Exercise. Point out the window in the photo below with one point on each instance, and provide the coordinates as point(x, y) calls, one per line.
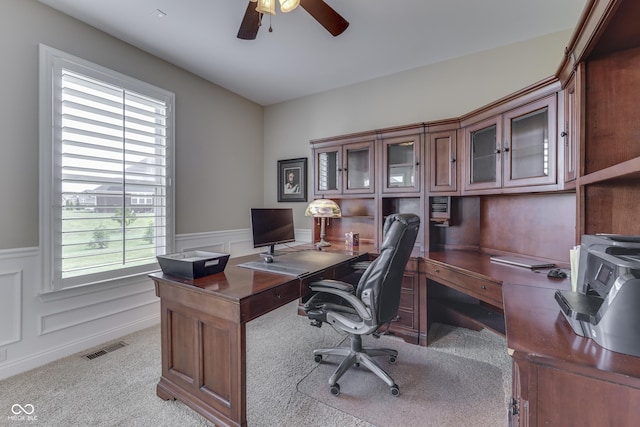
point(106, 167)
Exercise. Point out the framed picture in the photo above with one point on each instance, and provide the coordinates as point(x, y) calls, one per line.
point(292, 180)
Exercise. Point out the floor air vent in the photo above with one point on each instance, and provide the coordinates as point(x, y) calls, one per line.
point(105, 350)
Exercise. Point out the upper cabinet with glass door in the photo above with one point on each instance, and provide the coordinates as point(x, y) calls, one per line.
point(344, 169)
point(515, 149)
point(401, 164)
point(529, 146)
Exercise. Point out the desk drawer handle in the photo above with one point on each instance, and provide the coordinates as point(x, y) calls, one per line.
point(278, 296)
point(483, 287)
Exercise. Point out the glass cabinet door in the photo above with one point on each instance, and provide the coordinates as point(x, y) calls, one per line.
point(483, 155)
point(327, 170)
point(358, 168)
point(401, 164)
point(529, 145)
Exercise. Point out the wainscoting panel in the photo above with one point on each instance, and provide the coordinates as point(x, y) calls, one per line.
point(36, 329)
point(68, 318)
point(10, 307)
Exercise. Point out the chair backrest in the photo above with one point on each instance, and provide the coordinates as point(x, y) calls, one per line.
point(384, 275)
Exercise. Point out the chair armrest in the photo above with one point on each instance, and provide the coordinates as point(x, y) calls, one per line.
point(335, 284)
point(336, 287)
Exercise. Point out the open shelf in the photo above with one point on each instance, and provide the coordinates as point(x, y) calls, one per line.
point(473, 316)
point(629, 169)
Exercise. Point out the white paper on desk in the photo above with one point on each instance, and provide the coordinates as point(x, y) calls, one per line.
point(574, 258)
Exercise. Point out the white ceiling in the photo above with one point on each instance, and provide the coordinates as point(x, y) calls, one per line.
point(300, 57)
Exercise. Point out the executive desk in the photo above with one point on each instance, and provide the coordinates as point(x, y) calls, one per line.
point(203, 333)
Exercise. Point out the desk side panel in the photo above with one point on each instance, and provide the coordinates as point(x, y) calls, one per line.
point(203, 363)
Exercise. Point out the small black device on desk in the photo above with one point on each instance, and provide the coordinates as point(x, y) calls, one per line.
point(606, 305)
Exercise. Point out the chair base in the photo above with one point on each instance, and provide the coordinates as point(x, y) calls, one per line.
point(357, 354)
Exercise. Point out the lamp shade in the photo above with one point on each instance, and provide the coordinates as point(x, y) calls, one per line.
point(288, 5)
point(266, 6)
point(323, 208)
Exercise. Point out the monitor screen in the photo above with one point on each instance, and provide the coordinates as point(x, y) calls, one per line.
point(271, 227)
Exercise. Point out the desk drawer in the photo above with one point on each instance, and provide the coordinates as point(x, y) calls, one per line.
point(270, 299)
point(483, 289)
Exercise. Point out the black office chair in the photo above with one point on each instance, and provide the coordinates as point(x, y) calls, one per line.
point(371, 305)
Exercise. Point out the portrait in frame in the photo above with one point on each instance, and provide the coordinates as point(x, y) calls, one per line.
point(292, 180)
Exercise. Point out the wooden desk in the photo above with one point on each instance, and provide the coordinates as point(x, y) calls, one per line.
point(560, 378)
point(477, 281)
point(203, 330)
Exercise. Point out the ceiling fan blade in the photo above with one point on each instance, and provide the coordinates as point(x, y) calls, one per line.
point(250, 23)
point(325, 15)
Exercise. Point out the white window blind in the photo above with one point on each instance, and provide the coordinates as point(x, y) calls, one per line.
point(110, 172)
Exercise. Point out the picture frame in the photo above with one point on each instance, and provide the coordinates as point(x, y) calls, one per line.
point(292, 180)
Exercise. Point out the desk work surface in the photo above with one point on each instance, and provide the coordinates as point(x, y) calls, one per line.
point(236, 283)
point(297, 263)
point(480, 265)
point(536, 326)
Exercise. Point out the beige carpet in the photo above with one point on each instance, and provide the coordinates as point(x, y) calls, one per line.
point(436, 388)
point(119, 388)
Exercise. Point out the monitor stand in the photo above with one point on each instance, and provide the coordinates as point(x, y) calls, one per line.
point(272, 252)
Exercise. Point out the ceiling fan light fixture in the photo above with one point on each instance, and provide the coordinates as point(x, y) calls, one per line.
point(266, 6)
point(288, 5)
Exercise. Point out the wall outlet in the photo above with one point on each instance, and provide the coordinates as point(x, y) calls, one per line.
point(3, 354)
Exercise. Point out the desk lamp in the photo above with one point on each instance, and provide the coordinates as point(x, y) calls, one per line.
point(323, 209)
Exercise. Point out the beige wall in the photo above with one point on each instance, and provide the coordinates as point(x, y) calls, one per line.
point(215, 128)
point(212, 126)
point(445, 90)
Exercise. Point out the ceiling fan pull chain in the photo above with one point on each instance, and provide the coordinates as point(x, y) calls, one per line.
point(270, 29)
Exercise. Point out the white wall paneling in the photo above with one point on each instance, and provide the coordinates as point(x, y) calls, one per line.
point(38, 329)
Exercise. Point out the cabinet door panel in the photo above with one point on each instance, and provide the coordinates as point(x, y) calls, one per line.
point(327, 165)
point(358, 168)
point(571, 128)
point(443, 175)
point(529, 148)
point(401, 164)
point(482, 154)
point(563, 399)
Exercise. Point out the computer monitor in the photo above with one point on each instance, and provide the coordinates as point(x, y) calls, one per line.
point(271, 227)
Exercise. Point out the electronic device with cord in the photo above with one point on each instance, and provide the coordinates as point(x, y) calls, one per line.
point(605, 307)
point(272, 227)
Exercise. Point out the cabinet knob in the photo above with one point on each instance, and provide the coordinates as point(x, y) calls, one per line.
point(436, 270)
point(497, 151)
point(453, 160)
point(563, 134)
point(483, 287)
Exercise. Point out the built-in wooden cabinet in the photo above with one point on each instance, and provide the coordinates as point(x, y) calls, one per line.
point(570, 135)
point(609, 186)
point(514, 149)
point(560, 378)
point(407, 322)
point(345, 168)
point(483, 155)
point(529, 144)
point(443, 161)
point(401, 169)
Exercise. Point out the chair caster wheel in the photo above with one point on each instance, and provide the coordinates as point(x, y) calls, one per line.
point(335, 389)
point(395, 391)
point(317, 358)
point(392, 360)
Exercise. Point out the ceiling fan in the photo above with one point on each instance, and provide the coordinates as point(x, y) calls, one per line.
point(318, 9)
